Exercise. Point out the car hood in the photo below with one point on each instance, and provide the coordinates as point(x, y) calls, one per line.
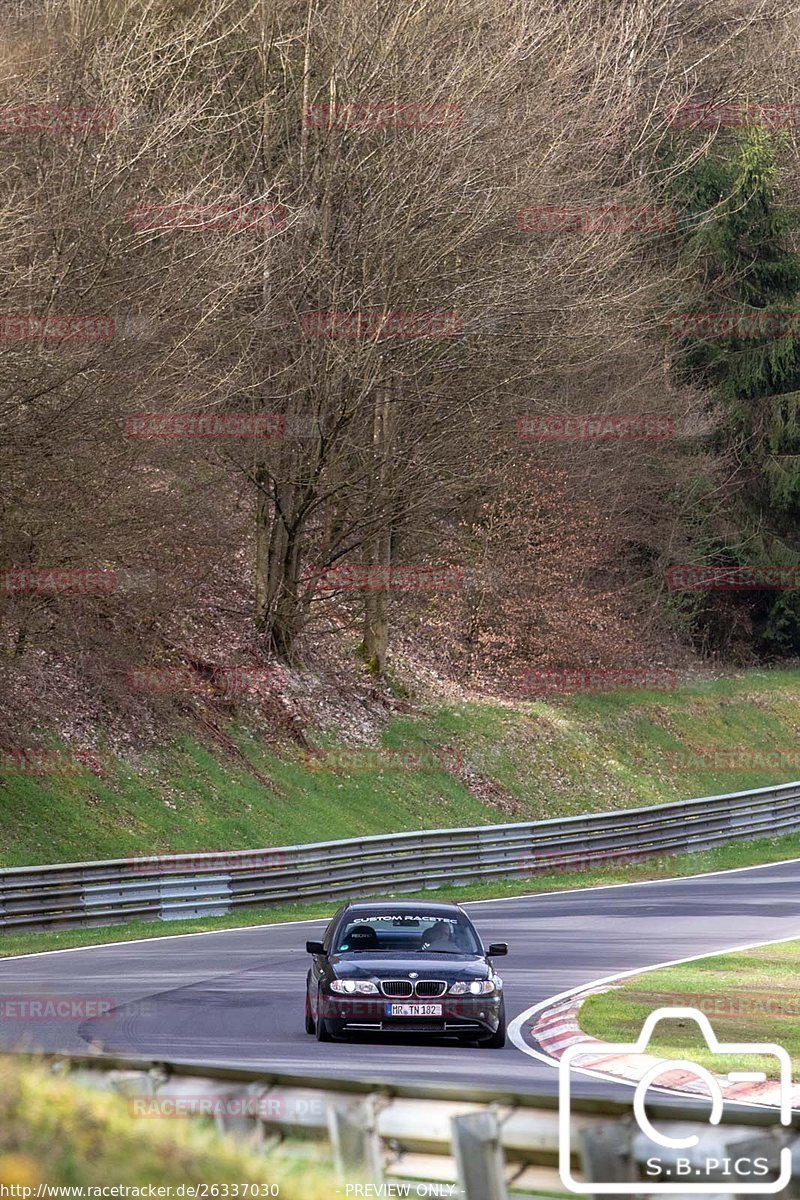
point(387, 964)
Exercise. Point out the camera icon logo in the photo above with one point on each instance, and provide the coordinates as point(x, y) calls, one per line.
point(670, 1145)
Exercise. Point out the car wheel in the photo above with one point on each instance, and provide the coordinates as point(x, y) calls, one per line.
point(498, 1038)
point(321, 1025)
point(309, 1016)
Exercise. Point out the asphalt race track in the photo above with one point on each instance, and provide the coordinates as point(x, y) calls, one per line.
point(237, 996)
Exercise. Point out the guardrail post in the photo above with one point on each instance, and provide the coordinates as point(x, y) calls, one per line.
point(355, 1143)
point(607, 1155)
point(479, 1155)
point(793, 1186)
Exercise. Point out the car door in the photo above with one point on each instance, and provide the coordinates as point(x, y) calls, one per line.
point(318, 962)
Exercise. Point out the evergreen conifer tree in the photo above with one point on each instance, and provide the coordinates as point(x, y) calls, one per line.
point(737, 233)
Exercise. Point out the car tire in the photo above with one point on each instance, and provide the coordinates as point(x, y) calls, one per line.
point(321, 1025)
point(498, 1038)
point(309, 1017)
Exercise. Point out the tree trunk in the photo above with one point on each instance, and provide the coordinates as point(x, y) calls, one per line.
point(377, 548)
point(263, 526)
point(277, 564)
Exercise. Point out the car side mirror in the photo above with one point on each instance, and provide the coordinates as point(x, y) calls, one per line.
point(497, 948)
point(315, 948)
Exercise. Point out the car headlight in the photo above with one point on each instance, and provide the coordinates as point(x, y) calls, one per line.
point(361, 987)
point(478, 987)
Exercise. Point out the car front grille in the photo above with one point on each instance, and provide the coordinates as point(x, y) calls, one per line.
point(403, 988)
point(397, 987)
point(430, 987)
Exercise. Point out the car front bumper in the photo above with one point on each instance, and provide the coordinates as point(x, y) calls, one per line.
point(459, 1015)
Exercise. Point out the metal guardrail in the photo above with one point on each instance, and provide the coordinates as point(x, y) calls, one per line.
point(483, 1140)
point(214, 884)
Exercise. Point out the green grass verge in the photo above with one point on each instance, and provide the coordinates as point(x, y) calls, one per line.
point(586, 753)
point(54, 1131)
point(748, 997)
point(737, 854)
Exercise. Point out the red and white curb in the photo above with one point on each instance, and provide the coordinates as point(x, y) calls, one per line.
point(557, 1027)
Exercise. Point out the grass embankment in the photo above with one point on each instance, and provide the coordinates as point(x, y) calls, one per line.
point(585, 753)
point(751, 996)
point(54, 1132)
point(738, 854)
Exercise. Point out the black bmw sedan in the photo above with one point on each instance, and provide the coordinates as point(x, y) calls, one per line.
point(405, 967)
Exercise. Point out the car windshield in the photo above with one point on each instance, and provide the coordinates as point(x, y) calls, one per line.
point(409, 933)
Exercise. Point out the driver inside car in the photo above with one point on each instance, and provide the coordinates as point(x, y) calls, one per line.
point(438, 938)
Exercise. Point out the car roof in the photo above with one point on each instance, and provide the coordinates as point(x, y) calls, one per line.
point(437, 908)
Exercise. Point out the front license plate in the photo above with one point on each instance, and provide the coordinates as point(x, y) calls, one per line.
point(413, 1010)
